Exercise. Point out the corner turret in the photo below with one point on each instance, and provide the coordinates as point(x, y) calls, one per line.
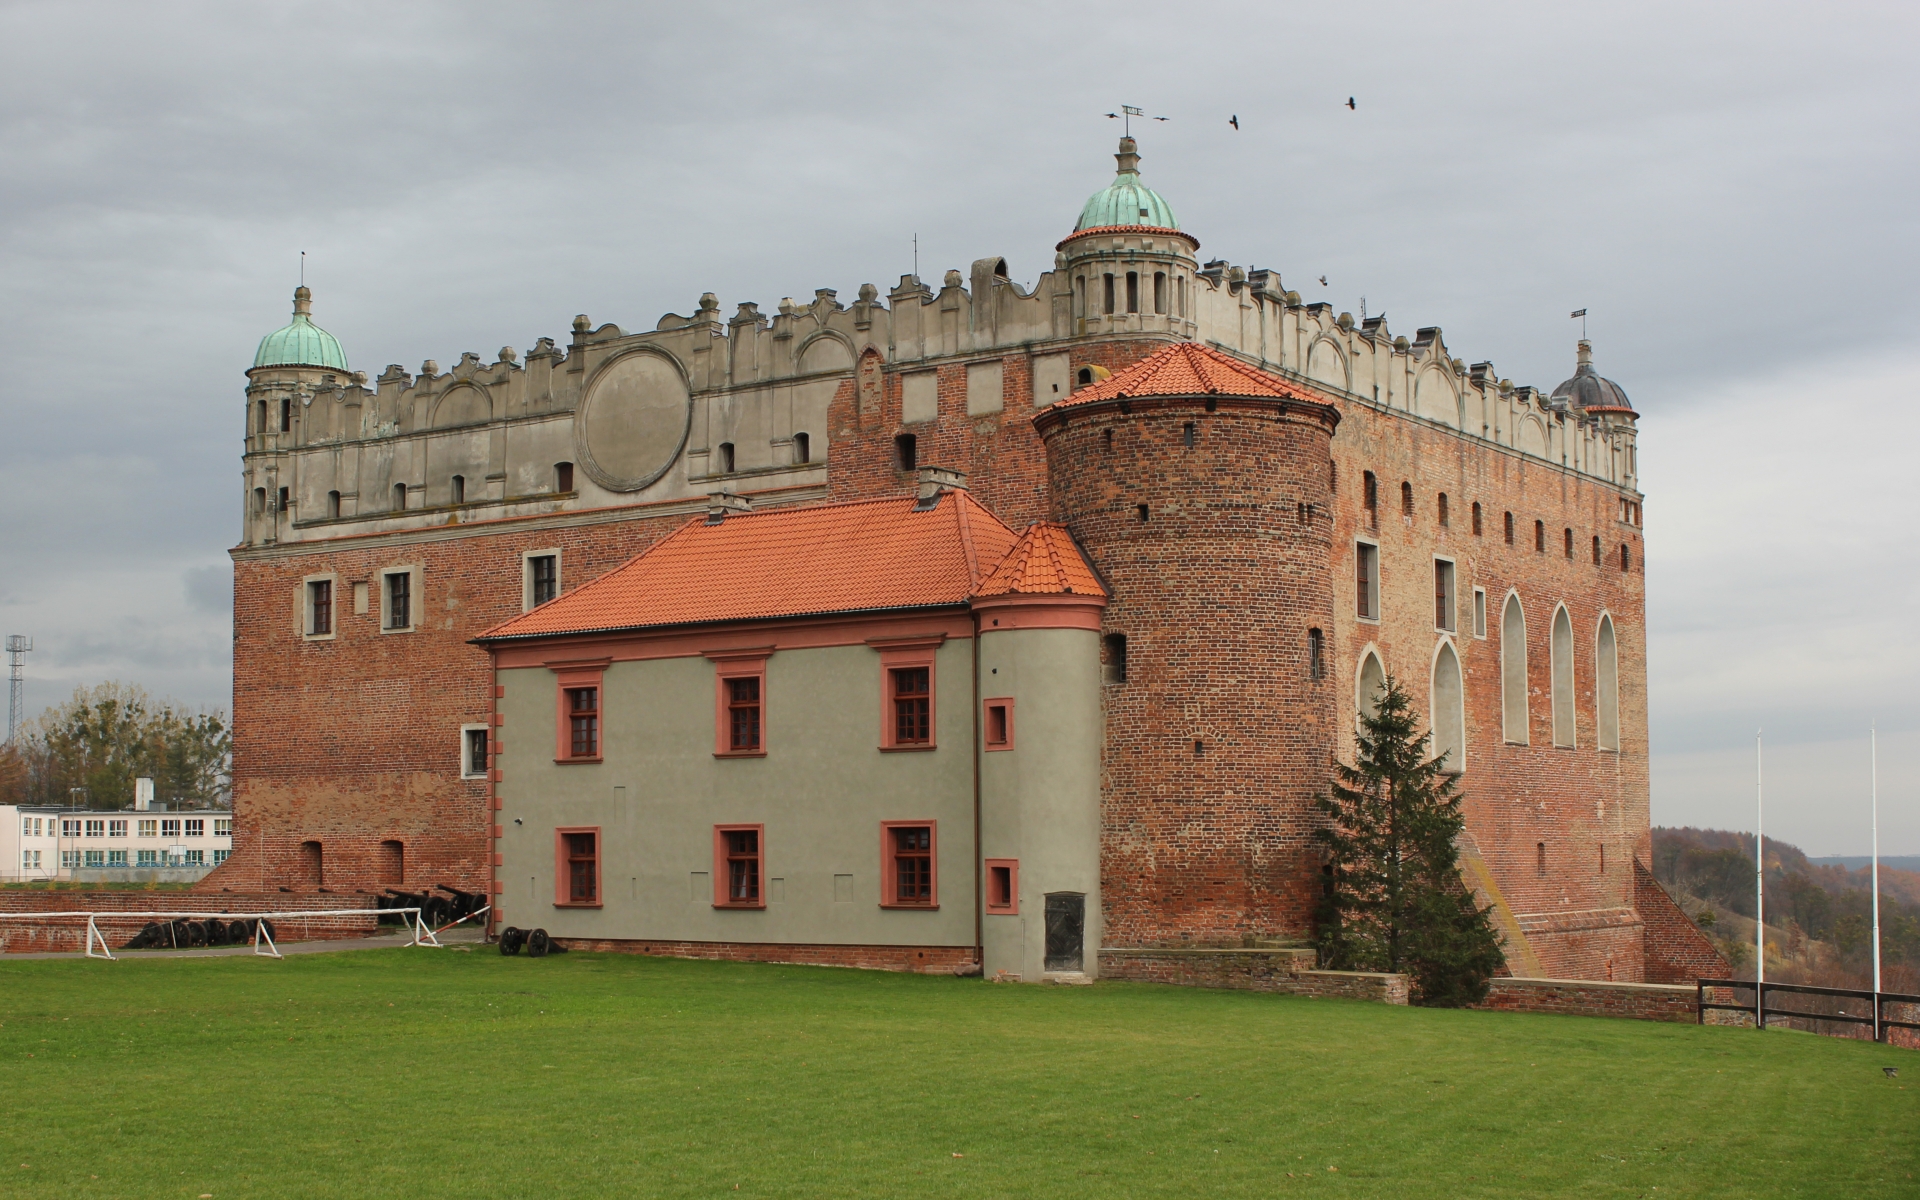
point(1130, 264)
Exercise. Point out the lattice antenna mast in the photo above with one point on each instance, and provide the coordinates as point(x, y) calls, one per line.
point(16, 681)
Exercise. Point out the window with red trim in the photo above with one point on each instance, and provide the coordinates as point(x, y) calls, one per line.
point(912, 689)
point(576, 875)
point(737, 854)
point(999, 722)
point(743, 713)
point(1003, 886)
point(583, 722)
point(908, 847)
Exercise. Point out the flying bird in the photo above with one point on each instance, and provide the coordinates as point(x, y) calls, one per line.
point(1234, 120)
point(1350, 103)
point(1323, 281)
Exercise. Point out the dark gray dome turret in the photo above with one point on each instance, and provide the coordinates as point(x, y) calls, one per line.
point(1588, 389)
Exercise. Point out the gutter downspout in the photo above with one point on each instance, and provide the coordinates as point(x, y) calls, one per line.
point(979, 855)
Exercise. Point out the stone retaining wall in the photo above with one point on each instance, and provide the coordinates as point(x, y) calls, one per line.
point(18, 937)
point(1288, 971)
point(1594, 998)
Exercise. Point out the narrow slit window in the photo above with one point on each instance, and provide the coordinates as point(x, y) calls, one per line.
point(1366, 581)
point(1569, 543)
point(1476, 518)
point(320, 608)
point(999, 721)
point(286, 416)
point(725, 458)
point(1113, 654)
point(1443, 606)
point(563, 477)
point(1539, 537)
point(1509, 519)
point(1316, 655)
point(1370, 498)
point(1540, 857)
point(1108, 309)
point(1479, 612)
point(1133, 291)
point(285, 500)
point(1406, 499)
point(1596, 550)
point(906, 452)
point(1626, 558)
point(802, 448)
point(1441, 511)
point(459, 489)
point(1160, 293)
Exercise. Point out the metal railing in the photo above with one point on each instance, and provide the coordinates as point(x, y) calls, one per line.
point(1876, 1004)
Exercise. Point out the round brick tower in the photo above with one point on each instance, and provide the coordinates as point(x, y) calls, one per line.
point(1199, 486)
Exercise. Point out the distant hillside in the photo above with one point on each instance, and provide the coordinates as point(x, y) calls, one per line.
point(1710, 872)
point(1901, 862)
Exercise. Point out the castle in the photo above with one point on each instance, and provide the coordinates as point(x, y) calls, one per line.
point(1214, 516)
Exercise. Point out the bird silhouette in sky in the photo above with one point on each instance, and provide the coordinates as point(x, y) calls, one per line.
point(1350, 103)
point(1323, 281)
point(1234, 120)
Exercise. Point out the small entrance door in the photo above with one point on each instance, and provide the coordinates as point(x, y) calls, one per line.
point(1066, 930)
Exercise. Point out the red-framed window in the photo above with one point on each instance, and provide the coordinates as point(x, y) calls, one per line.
point(997, 721)
point(909, 714)
point(909, 864)
point(576, 866)
point(1003, 886)
point(580, 724)
point(739, 861)
point(740, 699)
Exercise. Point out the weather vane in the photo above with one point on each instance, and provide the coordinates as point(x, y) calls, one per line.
point(1126, 115)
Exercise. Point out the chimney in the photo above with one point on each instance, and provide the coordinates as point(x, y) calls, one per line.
point(719, 504)
point(933, 481)
point(142, 795)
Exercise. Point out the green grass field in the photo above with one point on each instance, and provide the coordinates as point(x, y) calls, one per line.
point(458, 1073)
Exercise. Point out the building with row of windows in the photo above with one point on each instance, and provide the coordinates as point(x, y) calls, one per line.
point(48, 843)
point(683, 638)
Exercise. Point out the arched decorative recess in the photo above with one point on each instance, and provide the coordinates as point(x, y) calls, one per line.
point(1327, 364)
point(1449, 719)
point(1562, 660)
point(1606, 685)
point(825, 351)
point(1513, 671)
point(1368, 683)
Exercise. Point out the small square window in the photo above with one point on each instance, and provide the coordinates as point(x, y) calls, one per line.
point(147, 858)
point(149, 828)
point(577, 867)
point(223, 827)
point(999, 724)
point(738, 856)
point(220, 856)
point(908, 868)
point(116, 829)
point(1003, 886)
point(170, 827)
point(196, 827)
point(116, 858)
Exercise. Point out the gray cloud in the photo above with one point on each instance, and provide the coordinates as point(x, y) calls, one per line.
point(1729, 197)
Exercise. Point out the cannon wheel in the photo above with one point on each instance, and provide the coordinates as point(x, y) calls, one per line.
point(510, 939)
point(538, 943)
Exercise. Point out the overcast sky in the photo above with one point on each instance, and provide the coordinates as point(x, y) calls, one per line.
point(1729, 189)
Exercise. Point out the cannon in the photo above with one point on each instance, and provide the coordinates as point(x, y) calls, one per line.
point(511, 940)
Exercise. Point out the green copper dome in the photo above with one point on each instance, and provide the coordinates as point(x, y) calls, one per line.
point(301, 344)
point(1127, 201)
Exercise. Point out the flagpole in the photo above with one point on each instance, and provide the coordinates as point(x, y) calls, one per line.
point(1759, 886)
point(1873, 754)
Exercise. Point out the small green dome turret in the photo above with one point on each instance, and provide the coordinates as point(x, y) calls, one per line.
point(1127, 201)
point(302, 343)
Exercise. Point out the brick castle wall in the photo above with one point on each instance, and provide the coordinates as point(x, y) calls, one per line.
point(69, 935)
point(1218, 739)
point(1676, 950)
point(926, 960)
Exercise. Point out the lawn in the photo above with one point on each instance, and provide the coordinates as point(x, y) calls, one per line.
point(458, 1073)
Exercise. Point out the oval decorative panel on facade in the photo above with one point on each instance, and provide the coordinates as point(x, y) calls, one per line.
point(634, 421)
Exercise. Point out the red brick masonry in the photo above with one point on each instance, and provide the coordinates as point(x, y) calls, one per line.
point(1591, 998)
point(1677, 952)
point(1286, 971)
point(929, 960)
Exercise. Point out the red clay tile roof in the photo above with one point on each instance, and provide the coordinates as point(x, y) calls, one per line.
point(1043, 562)
point(1096, 230)
point(860, 557)
point(1189, 369)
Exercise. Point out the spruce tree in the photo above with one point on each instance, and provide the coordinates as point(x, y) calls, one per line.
point(1396, 900)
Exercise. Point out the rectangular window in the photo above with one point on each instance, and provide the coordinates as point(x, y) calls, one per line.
point(96, 858)
point(999, 723)
point(1370, 498)
point(147, 858)
point(1540, 857)
point(576, 867)
point(1133, 291)
point(1480, 612)
point(1443, 607)
point(1109, 296)
point(196, 858)
point(912, 705)
point(743, 714)
point(196, 827)
point(1539, 537)
point(69, 827)
point(1442, 511)
point(116, 829)
point(908, 848)
point(116, 858)
point(738, 857)
point(96, 828)
point(69, 858)
point(170, 827)
point(319, 608)
point(29, 860)
point(1569, 541)
point(543, 578)
point(1316, 654)
point(220, 856)
point(1003, 886)
point(223, 827)
point(1366, 580)
point(149, 828)
point(1476, 518)
point(1509, 518)
point(473, 751)
point(583, 722)
point(1113, 660)
point(399, 587)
